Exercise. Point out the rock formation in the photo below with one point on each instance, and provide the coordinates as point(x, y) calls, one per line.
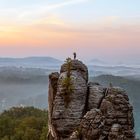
point(88, 111)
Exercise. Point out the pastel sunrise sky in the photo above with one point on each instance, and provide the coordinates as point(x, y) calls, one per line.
point(104, 29)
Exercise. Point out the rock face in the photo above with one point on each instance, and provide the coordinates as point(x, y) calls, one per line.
point(89, 111)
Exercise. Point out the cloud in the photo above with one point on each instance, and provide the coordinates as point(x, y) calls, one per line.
point(29, 14)
point(43, 10)
point(66, 3)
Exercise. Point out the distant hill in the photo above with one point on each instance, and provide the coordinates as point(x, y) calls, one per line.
point(25, 86)
point(23, 75)
point(131, 85)
point(97, 62)
point(95, 70)
point(29, 61)
point(134, 77)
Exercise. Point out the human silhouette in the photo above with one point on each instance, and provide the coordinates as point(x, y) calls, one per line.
point(74, 54)
point(111, 85)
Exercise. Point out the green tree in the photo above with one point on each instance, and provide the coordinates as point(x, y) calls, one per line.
point(23, 124)
point(6, 127)
point(44, 133)
point(67, 83)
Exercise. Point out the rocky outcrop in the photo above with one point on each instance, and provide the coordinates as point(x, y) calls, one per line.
point(89, 111)
point(53, 79)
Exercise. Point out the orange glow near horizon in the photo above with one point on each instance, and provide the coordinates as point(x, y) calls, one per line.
point(52, 30)
point(42, 35)
point(46, 37)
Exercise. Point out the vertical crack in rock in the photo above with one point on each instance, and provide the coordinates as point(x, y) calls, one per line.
point(93, 112)
point(104, 94)
point(96, 95)
point(86, 101)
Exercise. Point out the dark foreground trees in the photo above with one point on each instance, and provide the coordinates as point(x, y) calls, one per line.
point(26, 123)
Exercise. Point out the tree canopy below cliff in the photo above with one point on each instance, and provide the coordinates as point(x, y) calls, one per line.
point(23, 124)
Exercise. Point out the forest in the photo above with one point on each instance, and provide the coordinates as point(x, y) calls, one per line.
point(19, 123)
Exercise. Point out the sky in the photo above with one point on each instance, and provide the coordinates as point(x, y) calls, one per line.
point(104, 29)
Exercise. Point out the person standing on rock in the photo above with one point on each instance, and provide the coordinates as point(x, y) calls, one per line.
point(74, 54)
point(111, 85)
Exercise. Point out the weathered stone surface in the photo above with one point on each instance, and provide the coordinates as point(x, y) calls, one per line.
point(67, 119)
point(116, 133)
point(91, 125)
point(118, 112)
point(53, 79)
point(96, 94)
point(76, 66)
point(93, 112)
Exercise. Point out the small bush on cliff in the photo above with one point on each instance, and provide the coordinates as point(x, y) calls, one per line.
point(79, 133)
point(67, 83)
